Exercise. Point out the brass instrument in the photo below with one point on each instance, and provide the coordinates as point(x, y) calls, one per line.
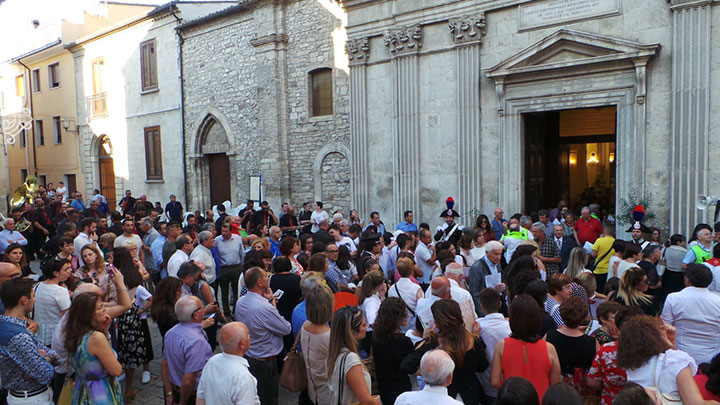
point(22, 225)
point(23, 194)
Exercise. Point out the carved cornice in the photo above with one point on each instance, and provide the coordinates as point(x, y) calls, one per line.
point(269, 39)
point(467, 29)
point(403, 41)
point(358, 50)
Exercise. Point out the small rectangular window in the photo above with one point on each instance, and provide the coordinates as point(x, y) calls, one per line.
point(153, 153)
point(23, 138)
point(43, 179)
point(148, 65)
point(54, 75)
point(23, 174)
point(57, 130)
point(322, 94)
point(19, 86)
point(39, 132)
point(70, 182)
point(36, 80)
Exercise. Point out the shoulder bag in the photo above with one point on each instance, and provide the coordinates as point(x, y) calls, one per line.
point(672, 398)
point(293, 376)
point(595, 263)
point(400, 296)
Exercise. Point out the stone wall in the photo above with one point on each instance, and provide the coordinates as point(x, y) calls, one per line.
point(250, 69)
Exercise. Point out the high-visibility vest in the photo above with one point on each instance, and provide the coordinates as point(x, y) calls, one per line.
point(522, 234)
point(701, 255)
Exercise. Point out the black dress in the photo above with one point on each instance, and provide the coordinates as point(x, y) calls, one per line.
point(649, 308)
point(464, 380)
point(388, 355)
point(573, 352)
point(290, 284)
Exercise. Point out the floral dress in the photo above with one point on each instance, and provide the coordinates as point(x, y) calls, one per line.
point(93, 385)
point(604, 367)
point(131, 340)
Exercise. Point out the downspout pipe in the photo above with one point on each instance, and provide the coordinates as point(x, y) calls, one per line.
point(181, 40)
point(32, 114)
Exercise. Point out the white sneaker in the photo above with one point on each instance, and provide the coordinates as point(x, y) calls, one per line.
point(145, 377)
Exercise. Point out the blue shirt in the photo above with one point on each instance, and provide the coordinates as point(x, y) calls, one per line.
point(218, 262)
point(186, 351)
point(22, 367)
point(275, 248)
point(156, 249)
point(6, 236)
point(334, 275)
point(265, 324)
point(380, 228)
point(405, 227)
point(299, 316)
point(498, 228)
point(78, 205)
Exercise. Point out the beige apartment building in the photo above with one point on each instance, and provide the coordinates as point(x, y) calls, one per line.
point(45, 82)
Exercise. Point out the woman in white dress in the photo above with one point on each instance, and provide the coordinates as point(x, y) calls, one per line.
point(318, 216)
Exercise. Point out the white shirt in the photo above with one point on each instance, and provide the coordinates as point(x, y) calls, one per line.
point(667, 366)
point(715, 284)
point(347, 242)
point(226, 379)
point(467, 305)
point(120, 242)
point(50, 302)
point(428, 395)
point(422, 309)
point(80, 241)
point(695, 313)
point(408, 293)
point(203, 255)
point(316, 218)
point(175, 261)
point(422, 255)
point(370, 307)
point(142, 296)
point(494, 329)
point(62, 191)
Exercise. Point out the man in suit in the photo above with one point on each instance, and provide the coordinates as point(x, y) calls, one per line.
point(487, 269)
point(565, 245)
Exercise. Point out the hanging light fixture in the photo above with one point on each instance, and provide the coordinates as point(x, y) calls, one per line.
point(593, 158)
point(611, 158)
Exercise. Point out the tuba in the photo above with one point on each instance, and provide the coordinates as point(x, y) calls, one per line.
point(21, 195)
point(22, 225)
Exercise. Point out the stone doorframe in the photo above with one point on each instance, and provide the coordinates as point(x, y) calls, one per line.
point(90, 167)
point(199, 170)
point(334, 147)
point(566, 70)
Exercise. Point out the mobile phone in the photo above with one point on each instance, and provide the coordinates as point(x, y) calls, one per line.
point(278, 294)
point(212, 315)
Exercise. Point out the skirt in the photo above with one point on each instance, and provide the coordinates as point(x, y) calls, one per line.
point(149, 354)
point(131, 341)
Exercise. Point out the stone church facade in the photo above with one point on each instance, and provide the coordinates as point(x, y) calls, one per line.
point(248, 75)
point(439, 89)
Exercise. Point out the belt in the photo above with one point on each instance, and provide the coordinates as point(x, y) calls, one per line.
point(262, 358)
point(28, 394)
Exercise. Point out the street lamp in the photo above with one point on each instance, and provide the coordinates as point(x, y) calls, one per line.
point(66, 122)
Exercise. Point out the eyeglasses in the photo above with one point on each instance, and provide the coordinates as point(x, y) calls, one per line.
point(193, 312)
point(333, 251)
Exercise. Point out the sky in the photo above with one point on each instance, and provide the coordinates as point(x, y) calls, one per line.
point(17, 16)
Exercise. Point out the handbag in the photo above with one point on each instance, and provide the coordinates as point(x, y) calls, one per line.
point(293, 376)
point(66, 393)
point(672, 398)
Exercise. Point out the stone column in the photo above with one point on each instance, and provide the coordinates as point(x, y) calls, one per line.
point(358, 51)
point(690, 115)
point(467, 32)
point(403, 45)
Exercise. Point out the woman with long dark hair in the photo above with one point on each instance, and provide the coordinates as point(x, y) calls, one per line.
point(90, 354)
point(482, 224)
point(15, 255)
point(96, 269)
point(633, 291)
point(52, 298)
point(389, 348)
point(132, 350)
point(371, 294)
point(466, 350)
point(167, 292)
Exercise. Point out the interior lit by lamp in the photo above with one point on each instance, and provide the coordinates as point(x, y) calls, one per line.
point(593, 158)
point(573, 158)
point(611, 158)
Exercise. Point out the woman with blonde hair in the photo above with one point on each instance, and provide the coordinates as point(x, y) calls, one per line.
point(406, 290)
point(349, 381)
point(632, 291)
point(577, 262)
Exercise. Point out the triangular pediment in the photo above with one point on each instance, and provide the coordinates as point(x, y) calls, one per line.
point(567, 48)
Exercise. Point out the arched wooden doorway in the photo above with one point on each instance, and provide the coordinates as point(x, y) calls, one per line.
point(214, 146)
point(107, 171)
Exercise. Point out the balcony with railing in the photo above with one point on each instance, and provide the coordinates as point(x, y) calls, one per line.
point(98, 105)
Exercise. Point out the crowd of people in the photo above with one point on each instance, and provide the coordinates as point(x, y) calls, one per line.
point(545, 308)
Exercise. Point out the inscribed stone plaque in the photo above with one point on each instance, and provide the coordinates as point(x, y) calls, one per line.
point(551, 12)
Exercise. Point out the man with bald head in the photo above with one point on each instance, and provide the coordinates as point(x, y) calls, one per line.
point(258, 310)
point(436, 367)
point(226, 378)
point(275, 234)
point(439, 290)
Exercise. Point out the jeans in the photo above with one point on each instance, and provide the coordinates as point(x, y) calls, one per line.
point(266, 373)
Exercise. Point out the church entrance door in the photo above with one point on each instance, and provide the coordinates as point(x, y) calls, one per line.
point(570, 155)
point(219, 167)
